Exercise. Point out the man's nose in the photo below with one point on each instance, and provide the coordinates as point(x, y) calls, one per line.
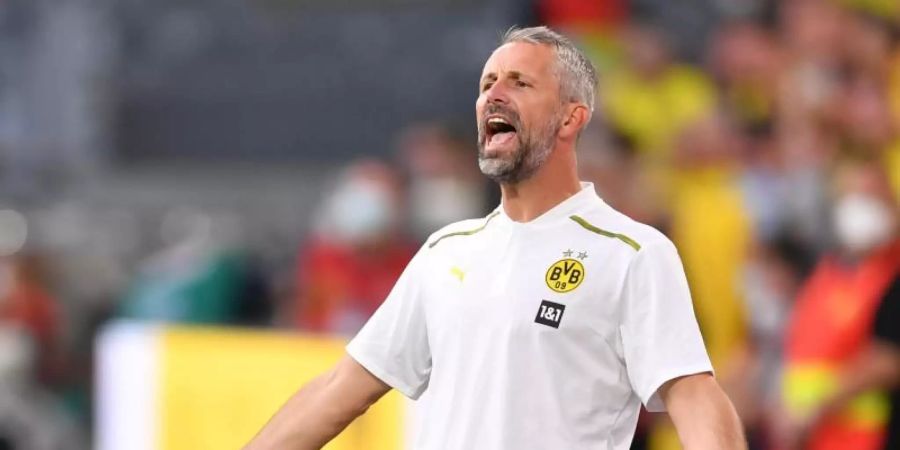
point(496, 94)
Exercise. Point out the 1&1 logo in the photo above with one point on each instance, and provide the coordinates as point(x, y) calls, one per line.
point(565, 275)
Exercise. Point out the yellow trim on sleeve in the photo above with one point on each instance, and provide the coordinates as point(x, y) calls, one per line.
point(467, 232)
point(588, 226)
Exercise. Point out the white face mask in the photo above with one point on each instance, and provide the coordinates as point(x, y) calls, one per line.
point(359, 212)
point(861, 223)
point(436, 202)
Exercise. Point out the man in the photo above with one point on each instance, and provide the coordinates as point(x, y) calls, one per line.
point(545, 324)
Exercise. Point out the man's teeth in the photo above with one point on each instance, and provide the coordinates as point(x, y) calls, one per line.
point(497, 120)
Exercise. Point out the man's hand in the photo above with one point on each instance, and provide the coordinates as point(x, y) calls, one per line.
point(322, 409)
point(703, 416)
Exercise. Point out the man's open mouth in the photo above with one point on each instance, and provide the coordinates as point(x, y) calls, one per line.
point(498, 131)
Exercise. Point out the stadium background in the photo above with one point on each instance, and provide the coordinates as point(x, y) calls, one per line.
point(199, 200)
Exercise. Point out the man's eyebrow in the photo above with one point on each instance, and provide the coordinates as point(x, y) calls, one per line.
point(513, 74)
point(516, 75)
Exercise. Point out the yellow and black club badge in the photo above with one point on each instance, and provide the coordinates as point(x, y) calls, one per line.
point(565, 275)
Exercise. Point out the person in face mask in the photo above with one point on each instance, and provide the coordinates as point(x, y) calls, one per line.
point(444, 185)
point(835, 372)
point(863, 222)
point(356, 252)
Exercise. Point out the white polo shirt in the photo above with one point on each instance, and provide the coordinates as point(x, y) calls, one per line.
point(545, 335)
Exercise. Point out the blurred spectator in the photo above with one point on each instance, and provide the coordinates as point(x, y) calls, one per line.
point(809, 89)
point(866, 42)
point(195, 278)
point(747, 62)
point(652, 98)
point(445, 184)
point(735, 160)
point(887, 9)
point(892, 153)
point(30, 418)
point(356, 253)
point(882, 360)
point(582, 15)
point(765, 185)
point(609, 161)
point(832, 321)
point(862, 111)
point(26, 305)
point(811, 36)
point(770, 279)
point(892, 81)
point(706, 208)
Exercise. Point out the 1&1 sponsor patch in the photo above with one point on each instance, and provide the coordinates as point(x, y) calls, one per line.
point(550, 314)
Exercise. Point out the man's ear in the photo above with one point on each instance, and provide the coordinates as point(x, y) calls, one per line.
point(574, 120)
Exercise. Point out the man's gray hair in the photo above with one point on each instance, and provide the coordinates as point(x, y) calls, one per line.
point(577, 76)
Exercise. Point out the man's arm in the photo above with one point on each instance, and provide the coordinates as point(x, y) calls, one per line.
point(321, 409)
point(703, 415)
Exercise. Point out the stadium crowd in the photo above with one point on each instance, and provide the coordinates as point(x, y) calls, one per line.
point(770, 156)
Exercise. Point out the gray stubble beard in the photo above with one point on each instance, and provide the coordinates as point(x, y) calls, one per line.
point(531, 154)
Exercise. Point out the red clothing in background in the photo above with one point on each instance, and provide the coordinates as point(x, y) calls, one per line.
point(831, 323)
point(29, 307)
point(342, 286)
point(569, 14)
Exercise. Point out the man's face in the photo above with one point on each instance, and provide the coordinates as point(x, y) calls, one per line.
point(518, 111)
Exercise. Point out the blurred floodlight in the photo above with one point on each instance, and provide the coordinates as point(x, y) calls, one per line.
point(13, 231)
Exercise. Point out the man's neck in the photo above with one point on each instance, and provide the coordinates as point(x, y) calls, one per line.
point(549, 186)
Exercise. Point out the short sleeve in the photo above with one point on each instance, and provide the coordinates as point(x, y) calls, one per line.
point(393, 344)
point(660, 336)
point(887, 319)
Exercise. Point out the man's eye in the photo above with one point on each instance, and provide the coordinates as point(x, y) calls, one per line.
point(520, 83)
point(486, 86)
